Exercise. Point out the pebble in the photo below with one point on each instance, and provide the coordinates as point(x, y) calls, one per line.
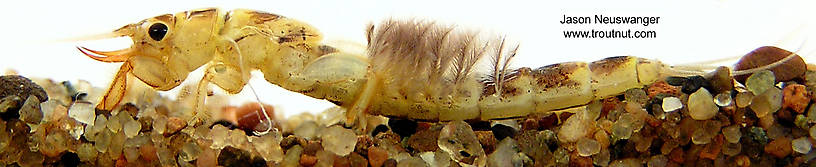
point(723, 99)
point(693, 84)
point(671, 104)
point(30, 111)
point(743, 99)
point(760, 81)
point(657, 161)
point(501, 131)
point(701, 105)
point(661, 87)
point(779, 148)
point(574, 128)
point(376, 156)
point(721, 80)
point(636, 95)
point(131, 127)
point(424, 140)
point(412, 162)
point(812, 132)
point(793, 68)
point(82, 112)
point(622, 128)
point(504, 153)
point(308, 160)
point(402, 127)
point(307, 129)
point(732, 133)
point(174, 124)
point(731, 149)
point(268, 146)
point(587, 147)
point(338, 140)
point(767, 103)
point(795, 97)
point(459, 141)
point(801, 145)
point(21, 87)
point(487, 140)
point(292, 157)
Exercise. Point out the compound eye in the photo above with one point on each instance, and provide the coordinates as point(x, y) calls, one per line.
point(157, 31)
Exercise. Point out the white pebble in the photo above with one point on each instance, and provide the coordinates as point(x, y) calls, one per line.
point(671, 104)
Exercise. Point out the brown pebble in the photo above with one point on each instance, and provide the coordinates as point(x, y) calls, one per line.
point(488, 141)
point(529, 124)
point(21, 87)
point(793, 68)
point(795, 97)
point(393, 163)
point(148, 152)
point(377, 156)
point(341, 162)
point(580, 161)
point(357, 160)
point(424, 140)
point(661, 87)
point(290, 141)
point(721, 80)
point(779, 148)
point(249, 116)
point(742, 161)
point(676, 155)
point(174, 124)
point(363, 143)
point(711, 150)
point(312, 147)
point(307, 160)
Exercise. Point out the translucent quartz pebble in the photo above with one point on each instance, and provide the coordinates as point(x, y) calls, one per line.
point(622, 128)
point(218, 134)
point(731, 149)
point(131, 127)
point(587, 147)
point(801, 145)
point(812, 132)
point(30, 111)
point(701, 105)
point(189, 151)
point(114, 123)
point(671, 104)
point(575, 127)
point(412, 162)
point(732, 133)
point(82, 112)
point(811, 114)
point(767, 103)
point(338, 140)
point(700, 137)
point(658, 161)
point(743, 99)
point(636, 95)
point(292, 157)
point(458, 139)
point(760, 81)
point(723, 99)
point(268, 146)
point(86, 152)
point(306, 129)
point(103, 140)
point(503, 155)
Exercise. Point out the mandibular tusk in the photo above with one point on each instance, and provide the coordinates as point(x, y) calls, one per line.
point(106, 56)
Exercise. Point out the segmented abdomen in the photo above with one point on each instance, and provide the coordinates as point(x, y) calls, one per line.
point(527, 91)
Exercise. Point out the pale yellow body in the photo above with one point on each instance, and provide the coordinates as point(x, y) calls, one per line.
point(230, 44)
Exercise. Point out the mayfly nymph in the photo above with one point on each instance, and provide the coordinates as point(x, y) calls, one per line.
point(410, 68)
